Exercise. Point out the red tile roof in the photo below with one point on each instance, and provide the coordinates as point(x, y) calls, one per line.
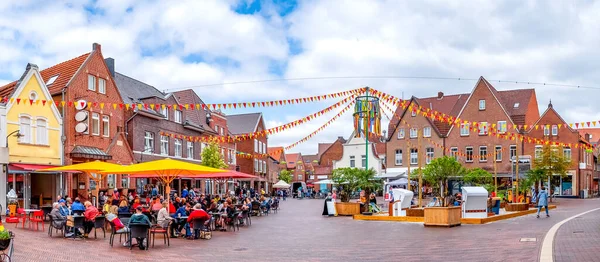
point(291, 159)
point(188, 96)
point(323, 147)
point(65, 71)
point(594, 132)
point(323, 170)
point(275, 152)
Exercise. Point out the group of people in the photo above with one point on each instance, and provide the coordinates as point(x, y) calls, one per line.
point(64, 208)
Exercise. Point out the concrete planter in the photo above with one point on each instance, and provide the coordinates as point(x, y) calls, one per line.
point(442, 216)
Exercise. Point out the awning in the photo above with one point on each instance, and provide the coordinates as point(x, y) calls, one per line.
point(26, 168)
point(89, 152)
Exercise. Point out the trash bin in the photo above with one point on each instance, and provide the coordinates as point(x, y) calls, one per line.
point(496, 205)
point(581, 194)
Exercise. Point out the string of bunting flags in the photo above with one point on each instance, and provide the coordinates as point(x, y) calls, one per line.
point(427, 112)
point(269, 131)
point(215, 106)
point(494, 131)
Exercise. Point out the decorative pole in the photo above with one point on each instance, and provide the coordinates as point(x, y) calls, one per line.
point(367, 136)
point(367, 119)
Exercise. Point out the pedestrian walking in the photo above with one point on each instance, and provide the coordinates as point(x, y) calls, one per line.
point(542, 199)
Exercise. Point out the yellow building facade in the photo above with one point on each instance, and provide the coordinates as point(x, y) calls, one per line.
point(33, 131)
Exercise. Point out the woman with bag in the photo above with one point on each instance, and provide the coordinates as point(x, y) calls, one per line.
point(542, 198)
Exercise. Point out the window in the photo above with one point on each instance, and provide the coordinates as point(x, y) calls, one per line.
point(255, 146)
point(538, 152)
point(124, 181)
point(454, 152)
point(428, 155)
point(41, 132)
point(401, 133)
point(101, 86)
point(164, 145)
point(106, 126)
point(91, 83)
point(264, 163)
point(413, 133)
point(352, 161)
point(299, 177)
point(498, 153)
point(33, 95)
point(178, 116)
point(398, 157)
point(255, 165)
point(51, 80)
point(149, 142)
point(111, 180)
point(483, 154)
point(364, 161)
point(501, 127)
point(567, 153)
point(516, 105)
point(554, 130)
point(427, 132)
point(469, 153)
point(513, 151)
point(481, 104)
point(483, 128)
point(546, 130)
point(464, 129)
point(259, 166)
point(190, 149)
point(95, 124)
point(222, 131)
point(178, 148)
point(264, 148)
point(165, 112)
point(414, 156)
point(413, 113)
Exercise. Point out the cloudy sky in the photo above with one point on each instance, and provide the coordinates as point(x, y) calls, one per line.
point(179, 44)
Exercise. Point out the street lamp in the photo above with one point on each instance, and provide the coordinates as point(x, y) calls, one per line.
point(17, 135)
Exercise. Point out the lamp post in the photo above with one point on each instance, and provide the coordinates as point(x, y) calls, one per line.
point(4, 179)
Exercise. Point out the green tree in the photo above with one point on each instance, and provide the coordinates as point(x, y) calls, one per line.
point(353, 179)
point(479, 177)
point(439, 171)
point(211, 157)
point(286, 176)
point(552, 161)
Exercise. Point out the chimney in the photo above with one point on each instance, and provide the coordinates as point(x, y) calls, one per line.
point(440, 95)
point(31, 66)
point(110, 63)
point(96, 47)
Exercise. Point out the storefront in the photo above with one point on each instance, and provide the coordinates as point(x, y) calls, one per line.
point(34, 189)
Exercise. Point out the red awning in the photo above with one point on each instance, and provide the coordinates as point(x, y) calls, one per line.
point(28, 167)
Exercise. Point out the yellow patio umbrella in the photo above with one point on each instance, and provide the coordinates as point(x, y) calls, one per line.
point(87, 168)
point(166, 170)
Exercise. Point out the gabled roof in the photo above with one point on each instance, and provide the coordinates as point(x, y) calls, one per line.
point(310, 158)
point(292, 158)
point(133, 90)
point(64, 72)
point(322, 147)
point(188, 96)
point(551, 108)
point(275, 152)
point(243, 123)
point(594, 132)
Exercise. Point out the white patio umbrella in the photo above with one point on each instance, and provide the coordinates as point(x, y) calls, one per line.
point(328, 182)
point(281, 184)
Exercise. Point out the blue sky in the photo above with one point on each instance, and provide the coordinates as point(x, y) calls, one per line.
point(173, 45)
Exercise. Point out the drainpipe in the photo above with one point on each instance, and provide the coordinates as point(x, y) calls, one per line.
point(63, 139)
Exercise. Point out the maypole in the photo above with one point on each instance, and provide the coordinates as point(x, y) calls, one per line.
point(367, 119)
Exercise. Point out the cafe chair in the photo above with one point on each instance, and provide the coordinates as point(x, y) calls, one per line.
point(161, 231)
point(138, 231)
point(78, 212)
point(53, 223)
point(99, 223)
point(113, 233)
point(77, 224)
point(21, 217)
point(197, 226)
point(38, 217)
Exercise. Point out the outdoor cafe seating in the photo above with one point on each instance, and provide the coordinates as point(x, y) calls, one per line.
point(161, 231)
point(138, 231)
point(99, 224)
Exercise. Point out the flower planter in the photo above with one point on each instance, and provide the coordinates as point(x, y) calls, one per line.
point(513, 207)
point(347, 208)
point(442, 216)
point(415, 212)
point(5, 243)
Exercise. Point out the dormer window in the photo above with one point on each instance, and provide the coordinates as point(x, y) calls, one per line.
point(481, 104)
point(51, 80)
point(516, 105)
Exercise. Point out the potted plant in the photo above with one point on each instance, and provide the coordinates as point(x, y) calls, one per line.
point(437, 174)
point(5, 237)
point(352, 180)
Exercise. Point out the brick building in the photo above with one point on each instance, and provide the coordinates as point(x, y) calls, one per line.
point(256, 165)
point(277, 162)
point(85, 84)
point(295, 164)
point(156, 132)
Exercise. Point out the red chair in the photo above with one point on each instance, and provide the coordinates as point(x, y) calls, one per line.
point(21, 217)
point(38, 217)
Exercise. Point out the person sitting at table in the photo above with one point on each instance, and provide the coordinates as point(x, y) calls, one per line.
point(77, 206)
point(156, 205)
point(172, 208)
point(123, 208)
point(136, 203)
point(265, 206)
point(226, 217)
point(63, 209)
point(163, 218)
point(197, 213)
point(91, 212)
point(58, 220)
point(139, 218)
point(69, 202)
point(179, 223)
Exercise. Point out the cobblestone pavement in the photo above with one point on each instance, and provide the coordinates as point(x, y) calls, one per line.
point(299, 233)
point(577, 240)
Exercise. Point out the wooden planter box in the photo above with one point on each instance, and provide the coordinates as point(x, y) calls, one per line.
point(513, 207)
point(502, 204)
point(415, 212)
point(347, 208)
point(442, 216)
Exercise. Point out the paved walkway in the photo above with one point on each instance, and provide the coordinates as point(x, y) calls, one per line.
point(577, 239)
point(299, 233)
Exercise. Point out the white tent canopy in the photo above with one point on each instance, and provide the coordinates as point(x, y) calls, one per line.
point(401, 182)
point(328, 182)
point(281, 184)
